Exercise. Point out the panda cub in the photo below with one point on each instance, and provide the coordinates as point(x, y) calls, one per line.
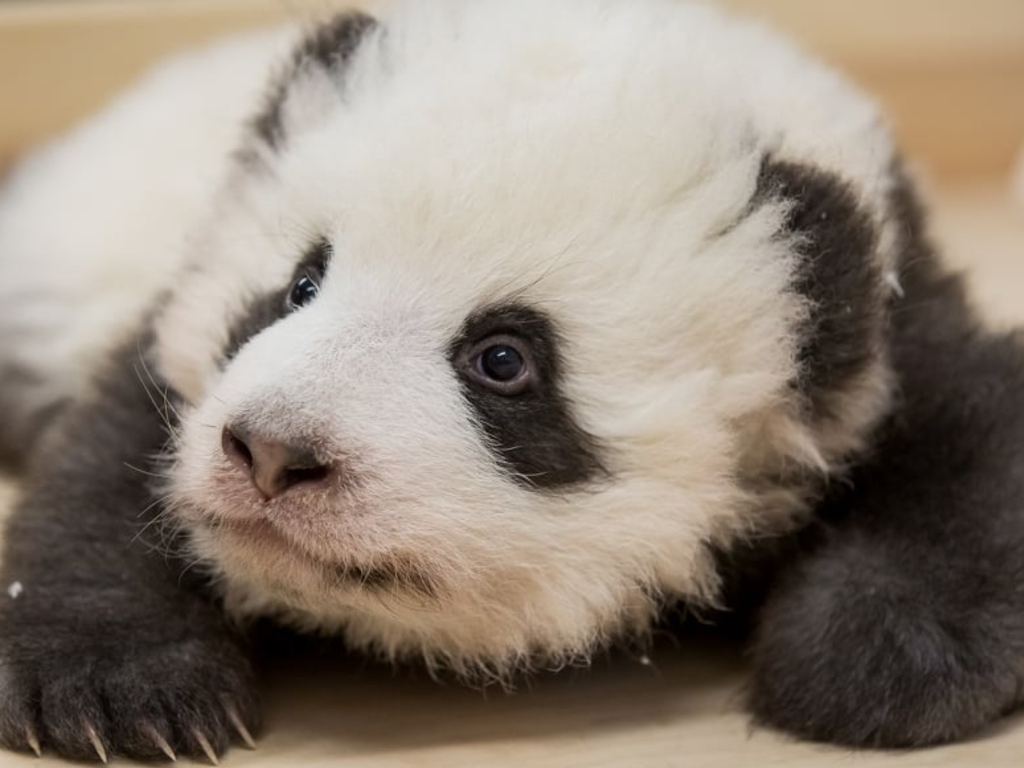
point(482, 333)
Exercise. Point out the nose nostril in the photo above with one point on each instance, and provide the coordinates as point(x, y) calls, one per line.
point(236, 450)
point(272, 466)
point(295, 475)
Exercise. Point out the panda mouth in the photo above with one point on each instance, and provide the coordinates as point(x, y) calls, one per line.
point(390, 575)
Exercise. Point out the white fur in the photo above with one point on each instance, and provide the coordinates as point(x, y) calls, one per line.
point(592, 158)
point(92, 227)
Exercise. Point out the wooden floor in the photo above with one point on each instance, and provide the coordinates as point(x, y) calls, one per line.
point(683, 708)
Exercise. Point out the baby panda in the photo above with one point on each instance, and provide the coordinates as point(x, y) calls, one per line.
point(482, 334)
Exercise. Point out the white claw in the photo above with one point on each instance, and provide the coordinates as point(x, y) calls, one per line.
point(101, 751)
point(204, 744)
point(33, 740)
point(893, 281)
point(161, 743)
point(236, 721)
point(166, 748)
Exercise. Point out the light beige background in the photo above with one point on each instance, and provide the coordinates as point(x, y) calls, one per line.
point(952, 72)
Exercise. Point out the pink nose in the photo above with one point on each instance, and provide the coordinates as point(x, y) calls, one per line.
point(274, 467)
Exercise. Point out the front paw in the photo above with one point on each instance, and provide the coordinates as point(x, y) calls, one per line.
point(187, 697)
point(861, 648)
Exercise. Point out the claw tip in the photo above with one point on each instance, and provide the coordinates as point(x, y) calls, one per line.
point(236, 721)
point(97, 744)
point(33, 741)
point(161, 743)
point(205, 745)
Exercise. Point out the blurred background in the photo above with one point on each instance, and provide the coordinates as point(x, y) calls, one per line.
point(949, 72)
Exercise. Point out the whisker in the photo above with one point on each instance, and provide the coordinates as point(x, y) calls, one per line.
point(149, 394)
point(158, 475)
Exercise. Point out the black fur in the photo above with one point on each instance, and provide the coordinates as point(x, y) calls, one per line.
point(533, 434)
point(266, 309)
point(843, 334)
point(839, 276)
point(902, 622)
point(111, 630)
point(21, 429)
point(329, 46)
point(261, 312)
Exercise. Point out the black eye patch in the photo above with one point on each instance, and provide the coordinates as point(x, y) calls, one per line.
point(266, 309)
point(531, 430)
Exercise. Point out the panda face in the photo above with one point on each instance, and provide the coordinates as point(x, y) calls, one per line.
point(501, 326)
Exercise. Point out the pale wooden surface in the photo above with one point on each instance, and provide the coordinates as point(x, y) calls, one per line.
point(950, 73)
point(684, 710)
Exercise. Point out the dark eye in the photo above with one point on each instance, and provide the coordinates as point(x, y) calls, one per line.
point(502, 364)
point(303, 291)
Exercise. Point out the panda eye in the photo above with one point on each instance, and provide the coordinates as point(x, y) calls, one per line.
point(303, 290)
point(308, 275)
point(503, 364)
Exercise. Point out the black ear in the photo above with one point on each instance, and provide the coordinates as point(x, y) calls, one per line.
point(840, 275)
point(321, 57)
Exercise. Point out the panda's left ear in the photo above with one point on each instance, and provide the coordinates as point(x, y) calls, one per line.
point(313, 80)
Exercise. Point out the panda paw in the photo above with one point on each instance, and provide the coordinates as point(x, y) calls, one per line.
point(852, 650)
point(186, 698)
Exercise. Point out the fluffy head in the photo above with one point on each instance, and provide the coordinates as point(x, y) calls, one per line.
point(678, 219)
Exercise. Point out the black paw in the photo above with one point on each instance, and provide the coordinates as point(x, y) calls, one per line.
point(186, 698)
point(857, 648)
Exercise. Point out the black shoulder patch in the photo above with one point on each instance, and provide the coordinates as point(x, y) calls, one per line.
point(329, 46)
point(533, 435)
point(839, 276)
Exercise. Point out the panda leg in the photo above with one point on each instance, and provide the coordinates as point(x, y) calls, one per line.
point(867, 643)
point(903, 623)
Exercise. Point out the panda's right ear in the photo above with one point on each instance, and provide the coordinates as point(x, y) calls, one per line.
point(313, 80)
